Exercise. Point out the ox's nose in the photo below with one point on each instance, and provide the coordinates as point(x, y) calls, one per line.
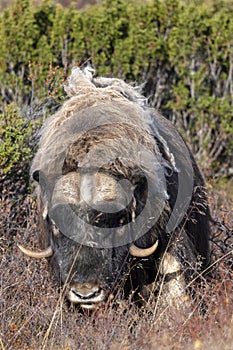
point(85, 294)
point(86, 290)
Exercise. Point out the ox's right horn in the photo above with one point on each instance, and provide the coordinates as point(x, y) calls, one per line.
point(38, 255)
point(143, 252)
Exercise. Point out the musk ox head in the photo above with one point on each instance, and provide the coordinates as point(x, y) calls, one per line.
point(116, 184)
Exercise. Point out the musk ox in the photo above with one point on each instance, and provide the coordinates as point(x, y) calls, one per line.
point(122, 201)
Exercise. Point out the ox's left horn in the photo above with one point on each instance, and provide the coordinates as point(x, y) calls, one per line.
point(38, 255)
point(143, 252)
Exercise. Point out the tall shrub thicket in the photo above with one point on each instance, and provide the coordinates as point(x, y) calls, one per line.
point(180, 51)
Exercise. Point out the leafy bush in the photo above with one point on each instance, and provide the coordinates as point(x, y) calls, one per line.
point(201, 51)
point(14, 140)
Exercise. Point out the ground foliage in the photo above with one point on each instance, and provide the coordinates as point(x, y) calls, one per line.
point(34, 314)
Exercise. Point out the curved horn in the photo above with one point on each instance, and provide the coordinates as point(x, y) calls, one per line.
point(143, 252)
point(38, 255)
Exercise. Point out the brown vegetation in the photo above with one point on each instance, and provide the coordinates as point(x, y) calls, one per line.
point(34, 314)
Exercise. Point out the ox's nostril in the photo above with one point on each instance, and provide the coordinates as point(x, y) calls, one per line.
point(86, 294)
point(86, 291)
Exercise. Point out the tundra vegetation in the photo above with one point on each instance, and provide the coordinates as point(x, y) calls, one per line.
point(181, 52)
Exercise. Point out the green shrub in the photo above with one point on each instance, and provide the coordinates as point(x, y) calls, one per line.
point(14, 140)
point(201, 51)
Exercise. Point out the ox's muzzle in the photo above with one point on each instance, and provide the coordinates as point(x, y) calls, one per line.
point(87, 295)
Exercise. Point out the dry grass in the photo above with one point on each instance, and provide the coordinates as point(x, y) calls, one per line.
point(34, 316)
